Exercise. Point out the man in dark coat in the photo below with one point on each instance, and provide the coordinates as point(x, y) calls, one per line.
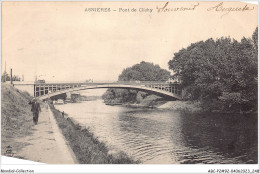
point(35, 110)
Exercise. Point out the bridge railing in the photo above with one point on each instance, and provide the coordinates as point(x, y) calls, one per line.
point(45, 88)
point(108, 82)
point(134, 82)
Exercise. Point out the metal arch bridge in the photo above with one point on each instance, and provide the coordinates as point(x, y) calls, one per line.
point(170, 91)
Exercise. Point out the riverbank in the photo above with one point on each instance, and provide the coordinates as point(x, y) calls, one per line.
point(22, 139)
point(153, 101)
point(80, 98)
point(86, 147)
point(184, 106)
point(150, 101)
point(16, 119)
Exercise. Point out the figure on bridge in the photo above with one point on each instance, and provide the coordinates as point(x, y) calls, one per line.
point(35, 110)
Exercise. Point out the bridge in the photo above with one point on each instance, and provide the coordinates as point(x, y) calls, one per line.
point(42, 91)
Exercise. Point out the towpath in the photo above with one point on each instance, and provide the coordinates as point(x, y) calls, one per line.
point(47, 144)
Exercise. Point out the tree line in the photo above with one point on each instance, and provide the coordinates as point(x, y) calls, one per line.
point(7, 77)
point(221, 74)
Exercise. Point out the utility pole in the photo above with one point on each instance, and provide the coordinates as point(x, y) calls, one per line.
point(5, 72)
point(11, 76)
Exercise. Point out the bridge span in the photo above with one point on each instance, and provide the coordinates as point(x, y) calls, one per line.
point(171, 91)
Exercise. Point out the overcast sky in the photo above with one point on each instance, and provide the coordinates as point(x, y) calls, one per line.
point(59, 41)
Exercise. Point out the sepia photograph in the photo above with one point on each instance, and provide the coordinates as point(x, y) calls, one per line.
point(118, 82)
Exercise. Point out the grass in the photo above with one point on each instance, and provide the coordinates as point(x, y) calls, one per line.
point(16, 117)
point(86, 147)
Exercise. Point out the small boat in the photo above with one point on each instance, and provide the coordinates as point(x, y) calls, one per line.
point(59, 102)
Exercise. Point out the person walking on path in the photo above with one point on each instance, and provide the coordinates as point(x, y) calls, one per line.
point(35, 110)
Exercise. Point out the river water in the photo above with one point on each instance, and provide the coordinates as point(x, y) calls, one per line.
point(166, 136)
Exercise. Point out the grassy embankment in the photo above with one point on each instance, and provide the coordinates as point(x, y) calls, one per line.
point(86, 147)
point(16, 118)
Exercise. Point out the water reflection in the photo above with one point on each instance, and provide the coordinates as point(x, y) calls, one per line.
point(147, 137)
point(166, 136)
point(230, 138)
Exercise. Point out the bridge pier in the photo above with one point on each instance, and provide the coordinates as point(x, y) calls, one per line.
point(68, 95)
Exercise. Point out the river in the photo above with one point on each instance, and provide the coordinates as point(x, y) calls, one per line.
point(166, 136)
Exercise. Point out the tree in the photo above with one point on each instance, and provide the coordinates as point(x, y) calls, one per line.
point(144, 71)
point(6, 77)
point(216, 72)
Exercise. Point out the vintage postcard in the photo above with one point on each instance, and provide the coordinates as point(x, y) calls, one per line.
point(108, 83)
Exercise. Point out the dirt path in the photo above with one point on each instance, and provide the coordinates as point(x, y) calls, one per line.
point(47, 144)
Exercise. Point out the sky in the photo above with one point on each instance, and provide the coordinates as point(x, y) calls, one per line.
point(61, 41)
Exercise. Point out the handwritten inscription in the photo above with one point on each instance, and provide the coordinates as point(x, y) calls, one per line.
point(166, 8)
point(225, 10)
